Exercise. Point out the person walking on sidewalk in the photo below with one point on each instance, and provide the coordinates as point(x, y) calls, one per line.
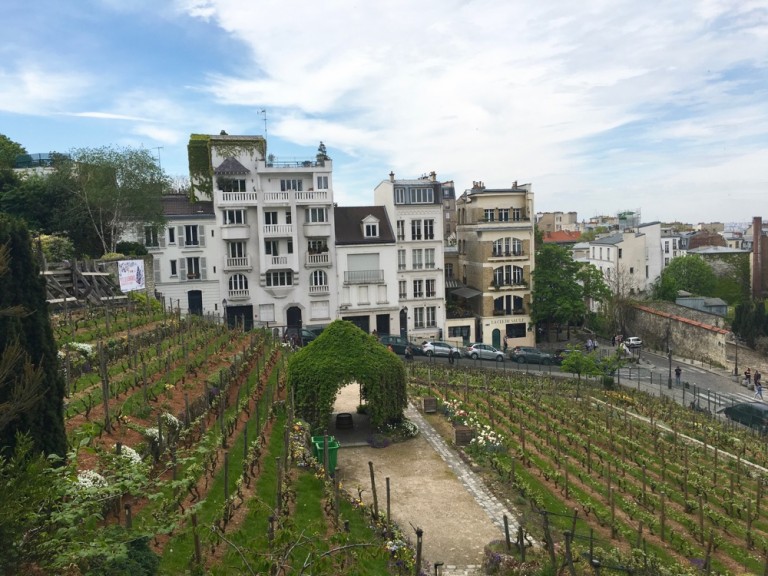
point(758, 384)
point(678, 371)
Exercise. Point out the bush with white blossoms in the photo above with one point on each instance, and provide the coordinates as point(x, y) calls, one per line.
point(487, 439)
point(130, 454)
point(90, 479)
point(171, 421)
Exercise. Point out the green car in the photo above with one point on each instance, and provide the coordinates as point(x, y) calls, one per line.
point(528, 355)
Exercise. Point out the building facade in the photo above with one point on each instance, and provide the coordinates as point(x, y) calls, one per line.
point(495, 240)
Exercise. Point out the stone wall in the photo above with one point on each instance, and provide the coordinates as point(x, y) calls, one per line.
point(688, 333)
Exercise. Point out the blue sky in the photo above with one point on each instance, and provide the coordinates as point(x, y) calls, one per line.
point(603, 106)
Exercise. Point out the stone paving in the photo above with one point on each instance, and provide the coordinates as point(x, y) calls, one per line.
point(471, 482)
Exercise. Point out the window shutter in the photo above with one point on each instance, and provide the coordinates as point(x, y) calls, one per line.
point(180, 236)
point(161, 237)
point(183, 269)
point(203, 271)
point(201, 235)
point(156, 267)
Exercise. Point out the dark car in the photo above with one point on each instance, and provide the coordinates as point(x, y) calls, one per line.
point(528, 355)
point(752, 414)
point(306, 335)
point(399, 344)
point(560, 354)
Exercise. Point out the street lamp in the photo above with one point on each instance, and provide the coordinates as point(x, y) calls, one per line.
point(224, 308)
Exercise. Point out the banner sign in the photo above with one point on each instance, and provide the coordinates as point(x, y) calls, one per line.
point(131, 273)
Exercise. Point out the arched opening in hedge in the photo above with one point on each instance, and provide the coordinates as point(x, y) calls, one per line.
point(341, 355)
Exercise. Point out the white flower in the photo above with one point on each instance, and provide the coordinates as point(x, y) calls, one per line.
point(130, 454)
point(90, 479)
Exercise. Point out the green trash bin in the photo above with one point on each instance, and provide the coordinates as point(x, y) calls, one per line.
point(317, 445)
point(333, 448)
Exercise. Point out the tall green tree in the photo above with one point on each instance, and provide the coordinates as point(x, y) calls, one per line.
point(558, 298)
point(690, 273)
point(114, 190)
point(25, 327)
point(9, 150)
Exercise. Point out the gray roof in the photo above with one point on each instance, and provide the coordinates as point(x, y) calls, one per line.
point(175, 205)
point(348, 225)
point(231, 166)
point(718, 250)
point(612, 239)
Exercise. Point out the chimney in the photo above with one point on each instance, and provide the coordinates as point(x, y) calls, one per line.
point(391, 176)
point(433, 176)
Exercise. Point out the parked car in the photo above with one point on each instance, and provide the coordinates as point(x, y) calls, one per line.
point(306, 335)
point(437, 348)
point(633, 342)
point(752, 414)
point(399, 344)
point(528, 355)
point(560, 354)
point(483, 352)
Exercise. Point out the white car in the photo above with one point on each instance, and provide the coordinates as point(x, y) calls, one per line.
point(633, 342)
point(436, 348)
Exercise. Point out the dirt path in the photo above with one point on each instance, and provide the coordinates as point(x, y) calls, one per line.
point(424, 493)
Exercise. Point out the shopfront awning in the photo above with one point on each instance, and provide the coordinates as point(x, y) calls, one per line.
point(466, 292)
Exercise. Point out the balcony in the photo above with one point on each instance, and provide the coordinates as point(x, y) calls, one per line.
point(513, 254)
point(243, 294)
point(280, 261)
point(321, 290)
point(312, 197)
point(242, 199)
point(317, 260)
point(520, 285)
point(317, 229)
point(283, 197)
point(235, 232)
point(238, 263)
point(277, 230)
point(364, 277)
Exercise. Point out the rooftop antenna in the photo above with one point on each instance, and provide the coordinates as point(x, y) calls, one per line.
point(264, 112)
point(159, 164)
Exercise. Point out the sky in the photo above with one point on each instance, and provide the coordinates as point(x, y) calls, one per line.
point(603, 106)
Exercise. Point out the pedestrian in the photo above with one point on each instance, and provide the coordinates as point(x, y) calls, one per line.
point(758, 387)
point(506, 343)
point(589, 345)
point(408, 352)
point(758, 378)
point(678, 371)
point(389, 347)
point(450, 356)
point(613, 340)
point(748, 378)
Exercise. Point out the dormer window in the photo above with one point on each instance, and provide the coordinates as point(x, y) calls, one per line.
point(372, 230)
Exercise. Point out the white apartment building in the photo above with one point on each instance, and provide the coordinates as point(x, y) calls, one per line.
point(415, 206)
point(495, 233)
point(366, 256)
point(265, 256)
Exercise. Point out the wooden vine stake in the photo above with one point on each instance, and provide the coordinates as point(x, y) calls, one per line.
point(373, 491)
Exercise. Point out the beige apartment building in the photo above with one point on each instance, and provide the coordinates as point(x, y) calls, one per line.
point(495, 262)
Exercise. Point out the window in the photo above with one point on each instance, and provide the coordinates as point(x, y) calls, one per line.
point(238, 282)
point(291, 184)
point(517, 275)
point(429, 229)
point(429, 258)
point(417, 256)
point(418, 317)
point(174, 271)
point(666, 246)
point(503, 214)
point(372, 230)
point(449, 270)
point(150, 236)
point(267, 312)
point(517, 214)
point(431, 292)
point(318, 278)
point(399, 195)
point(236, 249)
point(270, 218)
point(422, 196)
point(234, 217)
point(193, 268)
point(322, 182)
point(517, 247)
point(315, 215)
point(401, 229)
point(498, 247)
point(431, 316)
point(401, 259)
point(321, 309)
point(270, 248)
point(191, 237)
point(601, 253)
point(415, 229)
point(666, 261)
point(288, 217)
point(620, 252)
point(402, 288)
point(418, 288)
point(290, 245)
point(171, 235)
point(631, 270)
point(317, 246)
point(488, 214)
point(232, 185)
point(284, 278)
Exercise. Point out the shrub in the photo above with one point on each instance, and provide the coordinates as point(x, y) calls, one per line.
point(131, 248)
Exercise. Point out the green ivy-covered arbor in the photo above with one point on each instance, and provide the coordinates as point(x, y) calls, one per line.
point(341, 355)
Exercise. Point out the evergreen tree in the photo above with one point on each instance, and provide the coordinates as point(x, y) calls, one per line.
point(25, 326)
